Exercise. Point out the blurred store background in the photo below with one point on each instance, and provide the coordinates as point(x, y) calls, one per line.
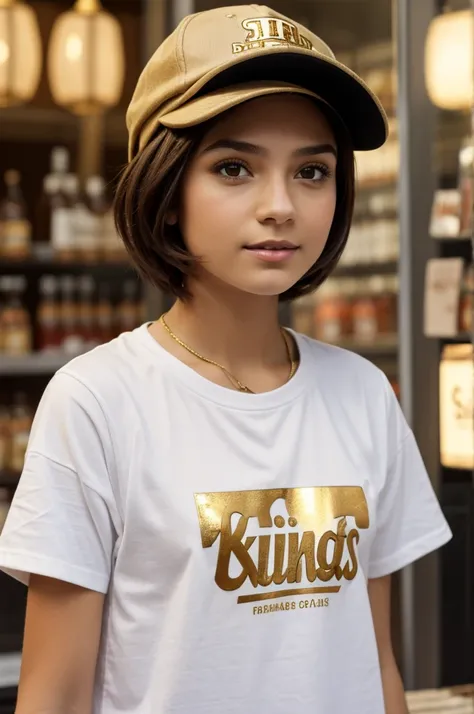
point(402, 295)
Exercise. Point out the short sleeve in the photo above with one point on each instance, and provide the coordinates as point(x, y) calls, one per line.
point(63, 521)
point(409, 520)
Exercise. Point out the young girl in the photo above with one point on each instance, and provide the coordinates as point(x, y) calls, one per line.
point(211, 505)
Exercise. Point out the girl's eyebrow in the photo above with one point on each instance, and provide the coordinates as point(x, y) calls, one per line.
point(247, 148)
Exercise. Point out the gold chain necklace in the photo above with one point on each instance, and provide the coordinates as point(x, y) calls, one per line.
point(233, 380)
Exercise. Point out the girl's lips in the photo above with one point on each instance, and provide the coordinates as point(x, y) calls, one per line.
point(272, 255)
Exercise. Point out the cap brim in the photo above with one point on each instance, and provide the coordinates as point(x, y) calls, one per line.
point(211, 105)
point(325, 78)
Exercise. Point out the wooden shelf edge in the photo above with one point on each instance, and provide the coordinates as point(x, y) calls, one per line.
point(33, 364)
point(34, 265)
point(366, 269)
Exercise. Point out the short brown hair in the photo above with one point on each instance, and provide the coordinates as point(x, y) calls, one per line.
point(149, 191)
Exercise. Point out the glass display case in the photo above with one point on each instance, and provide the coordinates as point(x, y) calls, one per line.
point(448, 322)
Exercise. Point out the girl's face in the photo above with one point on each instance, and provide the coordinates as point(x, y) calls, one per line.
point(259, 195)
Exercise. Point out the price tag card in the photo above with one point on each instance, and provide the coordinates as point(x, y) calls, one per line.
point(443, 281)
point(456, 390)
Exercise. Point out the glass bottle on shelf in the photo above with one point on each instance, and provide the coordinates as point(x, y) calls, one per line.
point(48, 315)
point(364, 313)
point(15, 228)
point(52, 214)
point(88, 214)
point(98, 207)
point(383, 211)
point(59, 161)
point(386, 292)
point(86, 289)
point(71, 340)
point(20, 426)
point(126, 311)
point(15, 321)
point(66, 239)
point(104, 314)
point(332, 312)
point(58, 217)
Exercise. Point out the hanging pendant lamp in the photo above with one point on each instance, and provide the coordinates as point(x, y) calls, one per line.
point(86, 59)
point(20, 53)
point(449, 60)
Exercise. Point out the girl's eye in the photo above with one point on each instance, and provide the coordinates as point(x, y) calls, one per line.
point(233, 170)
point(316, 172)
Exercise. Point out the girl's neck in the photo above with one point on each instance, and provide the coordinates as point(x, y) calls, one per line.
point(239, 330)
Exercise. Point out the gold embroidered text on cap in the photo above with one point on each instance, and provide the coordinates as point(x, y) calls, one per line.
point(221, 52)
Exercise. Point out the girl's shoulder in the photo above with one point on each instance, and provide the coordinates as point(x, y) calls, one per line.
point(339, 364)
point(115, 364)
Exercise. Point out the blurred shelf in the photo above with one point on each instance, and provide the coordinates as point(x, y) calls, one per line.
point(462, 339)
point(34, 364)
point(453, 239)
point(457, 475)
point(376, 187)
point(366, 269)
point(36, 266)
point(32, 124)
point(8, 479)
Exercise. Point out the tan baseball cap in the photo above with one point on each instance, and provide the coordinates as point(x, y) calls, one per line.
point(217, 59)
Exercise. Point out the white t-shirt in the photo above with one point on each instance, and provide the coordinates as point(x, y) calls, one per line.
point(233, 533)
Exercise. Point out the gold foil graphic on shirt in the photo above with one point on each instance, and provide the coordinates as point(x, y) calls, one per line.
point(314, 554)
point(270, 32)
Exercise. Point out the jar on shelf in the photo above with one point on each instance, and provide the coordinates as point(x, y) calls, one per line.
point(364, 313)
point(332, 312)
point(48, 315)
point(15, 227)
point(383, 209)
point(385, 290)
